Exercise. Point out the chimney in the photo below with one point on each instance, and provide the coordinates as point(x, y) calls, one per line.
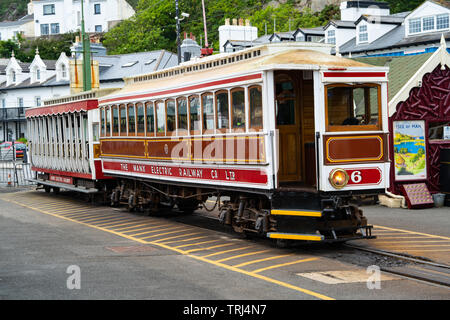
point(227, 21)
point(247, 22)
point(234, 22)
point(241, 22)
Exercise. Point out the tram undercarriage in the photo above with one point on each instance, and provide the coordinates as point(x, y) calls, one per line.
point(304, 216)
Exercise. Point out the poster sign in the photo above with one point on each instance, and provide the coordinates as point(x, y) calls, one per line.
point(409, 150)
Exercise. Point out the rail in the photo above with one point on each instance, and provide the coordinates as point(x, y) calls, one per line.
point(15, 173)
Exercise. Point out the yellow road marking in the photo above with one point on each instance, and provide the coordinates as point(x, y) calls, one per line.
point(121, 224)
point(413, 232)
point(400, 246)
point(407, 237)
point(126, 224)
point(209, 248)
point(428, 250)
point(84, 214)
point(284, 264)
point(242, 255)
point(226, 251)
point(162, 234)
point(412, 241)
point(99, 217)
point(196, 244)
point(149, 226)
point(260, 260)
point(71, 211)
point(164, 240)
point(113, 221)
point(254, 275)
point(139, 225)
point(157, 230)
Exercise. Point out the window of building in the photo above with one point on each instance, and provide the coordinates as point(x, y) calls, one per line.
point(20, 102)
point(150, 118)
point(442, 21)
point(3, 103)
point(363, 34)
point(123, 120)
point(98, 28)
point(38, 101)
point(182, 115)
point(256, 111)
point(44, 29)
point(63, 71)
point(131, 120)
point(115, 121)
point(140, 119)
point(194, 114)
point(49, 9)
point(353, 108)
point(170, 115)
point(208, 111)
point(223, 119)
point(238, 108)
point(331, 36)
point(97, 8)
point(160, 117)
point(428, 23)
point(54, 28)
point(38, 74)
point(415, 25)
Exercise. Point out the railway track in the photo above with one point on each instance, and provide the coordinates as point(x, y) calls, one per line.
point(413, 267)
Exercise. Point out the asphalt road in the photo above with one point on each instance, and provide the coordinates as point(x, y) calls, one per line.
point(64, 248)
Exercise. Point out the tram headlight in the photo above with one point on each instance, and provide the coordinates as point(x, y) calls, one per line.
point(338, 178)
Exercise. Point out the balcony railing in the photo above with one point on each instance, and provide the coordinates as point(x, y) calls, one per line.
point(12, 114)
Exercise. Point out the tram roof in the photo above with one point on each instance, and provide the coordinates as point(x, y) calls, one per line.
point(78, 102)
point(265, 57)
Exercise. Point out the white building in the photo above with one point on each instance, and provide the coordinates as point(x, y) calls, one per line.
point(23, 26)
point(62, 16)
point(368, 29)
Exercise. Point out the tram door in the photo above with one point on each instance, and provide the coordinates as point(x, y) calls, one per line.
point(289, 129)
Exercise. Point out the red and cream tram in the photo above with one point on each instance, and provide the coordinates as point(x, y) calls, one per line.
point(287, 133)
point(283, 135)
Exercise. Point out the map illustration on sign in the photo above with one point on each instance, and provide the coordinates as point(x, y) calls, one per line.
point(409, 150)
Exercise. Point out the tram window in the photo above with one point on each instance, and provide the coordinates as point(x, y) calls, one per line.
point(208, 111)
point(256, 113)
point(131, 120)
point(160, 118)
point(285, 104)
point(353, 108)
point(103, 126)
point(115, 121)
point(170, 115)
point(238, 108)
point(123, 120)
point(223, 118)
point(108, 121)
point(182, 115)
point(194, 112)
point(140, 118)
point(150, 118)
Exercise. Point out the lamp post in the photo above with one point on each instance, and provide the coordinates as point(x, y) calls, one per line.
point(87, 85)
point(177, 17)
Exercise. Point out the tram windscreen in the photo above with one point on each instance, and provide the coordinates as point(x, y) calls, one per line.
point(353, 106)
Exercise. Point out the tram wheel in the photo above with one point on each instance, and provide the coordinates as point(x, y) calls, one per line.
point(47, 189)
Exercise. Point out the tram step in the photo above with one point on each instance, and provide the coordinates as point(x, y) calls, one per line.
point(297, 213)
point(295, 236)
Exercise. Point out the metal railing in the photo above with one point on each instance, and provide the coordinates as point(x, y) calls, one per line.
point(15, 173)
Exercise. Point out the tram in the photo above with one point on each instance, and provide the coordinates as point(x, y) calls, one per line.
point(280, 135)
